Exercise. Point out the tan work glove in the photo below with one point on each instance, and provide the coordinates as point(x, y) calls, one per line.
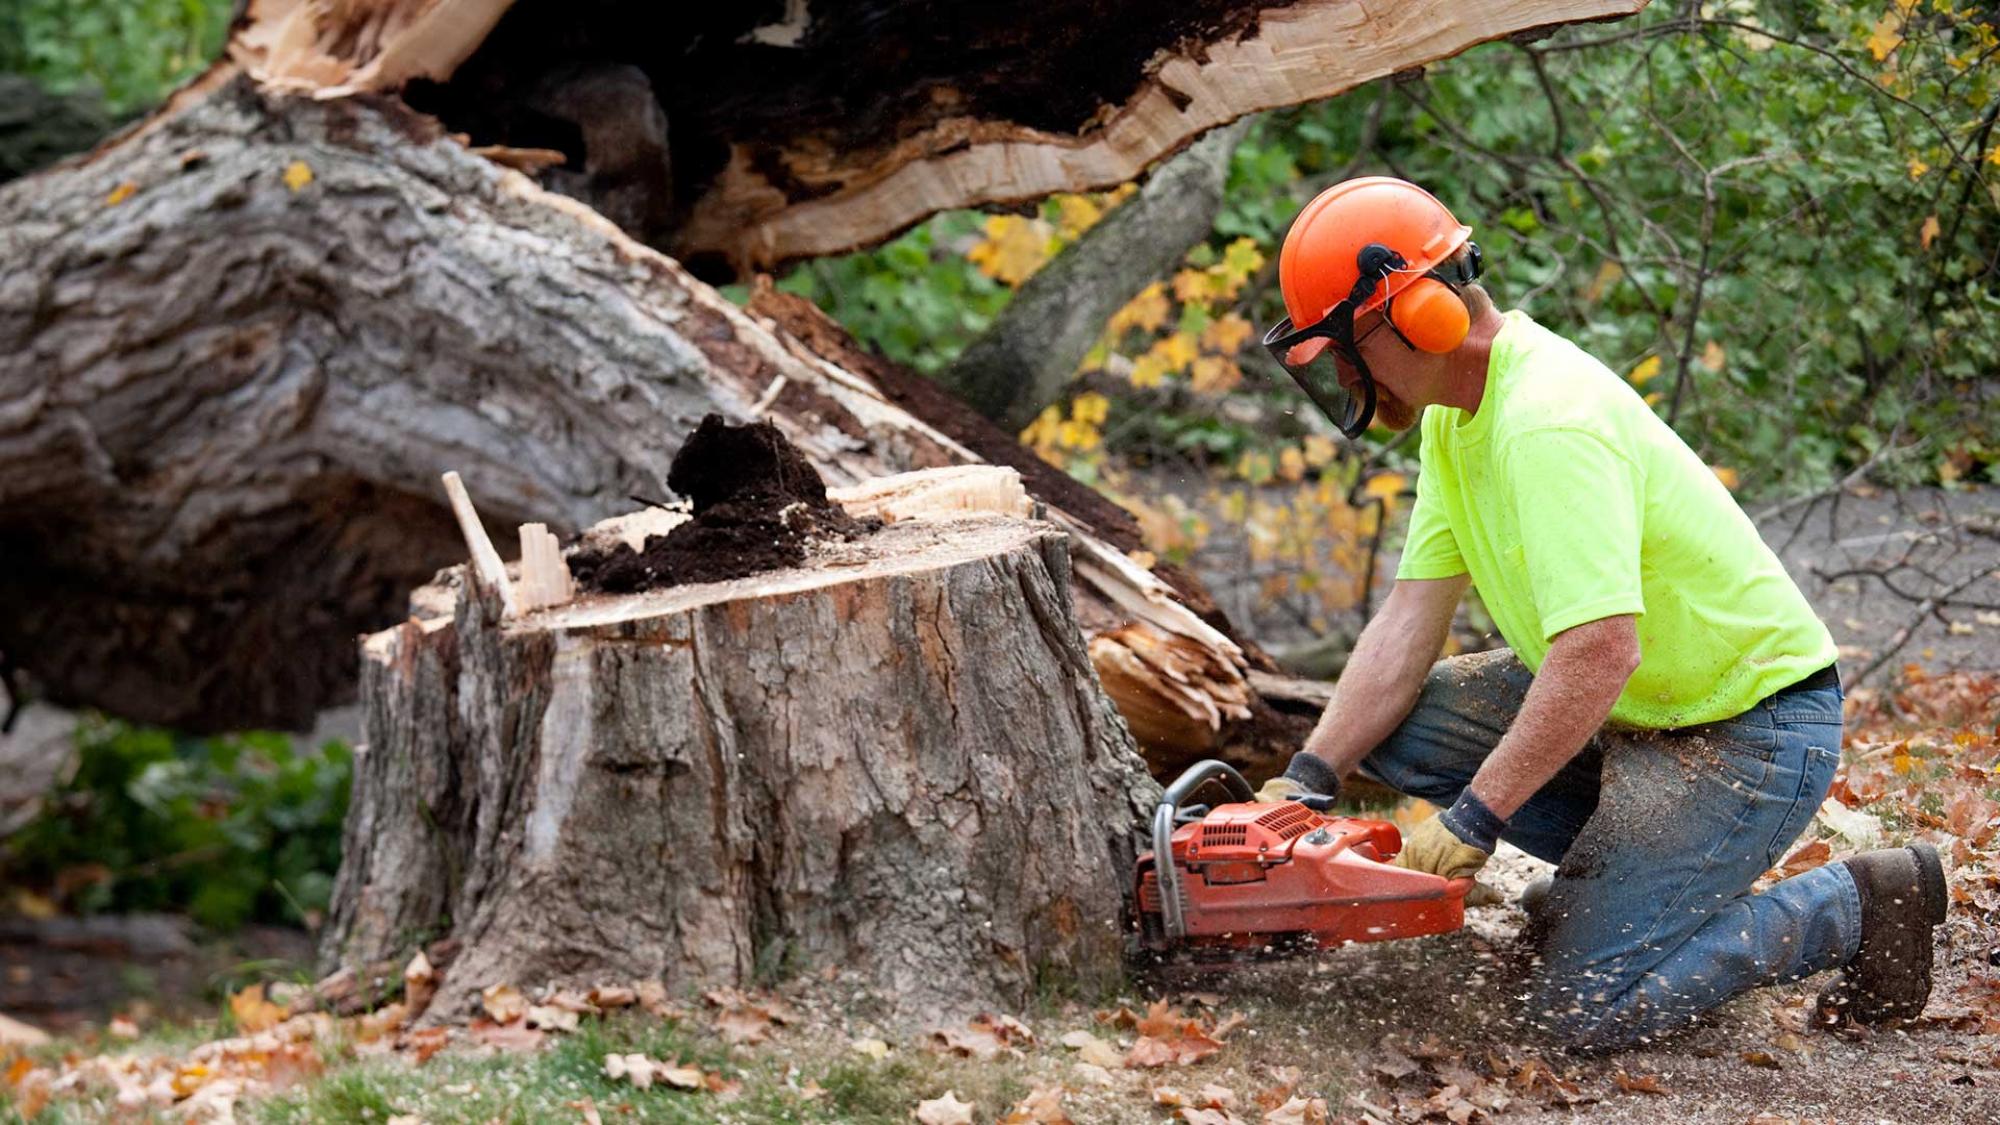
point(1279, 788)
point(1432, 847)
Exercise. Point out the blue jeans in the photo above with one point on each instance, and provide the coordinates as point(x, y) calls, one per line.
point(1657, 836)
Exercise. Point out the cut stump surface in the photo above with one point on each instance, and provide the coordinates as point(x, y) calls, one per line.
point(896, 760)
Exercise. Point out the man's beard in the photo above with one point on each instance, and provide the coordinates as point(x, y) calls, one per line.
point(1392, 412)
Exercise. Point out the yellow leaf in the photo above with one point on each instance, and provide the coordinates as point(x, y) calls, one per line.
point(1148, 370)
point(1090, 408)
point(297, 175)
point(1146, 312)
point(1076, 214)
point(1887, 36)
point(1145, 559)
point(189, 1078)
point(1291, 464)
point(1254, 467)
point(121, 193)
point(1226, 334)
point(1193, 287)
point(1930, 231)
point(1918, 168)
point(1653, 398)
point(1176, 351)
point(1013, 249)
point(1385, 485)
point(1214, 375)
point(1319, 450)
point(1713, 356)
point(1726, 475)
point(1240, 260)
point(253, 1013)
point(1993, 155)
point(1644, 372)
point(1902, 762)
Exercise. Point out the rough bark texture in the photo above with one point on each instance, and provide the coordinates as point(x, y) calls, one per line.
point(674, 786)
point(1023, 361)
point(228, 400)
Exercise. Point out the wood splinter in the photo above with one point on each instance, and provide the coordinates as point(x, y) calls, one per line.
point(545, 578)
point(487, 568)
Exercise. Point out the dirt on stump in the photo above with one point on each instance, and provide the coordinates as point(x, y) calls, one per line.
point(757, 503)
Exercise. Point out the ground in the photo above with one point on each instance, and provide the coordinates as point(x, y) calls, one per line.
point(1411, 1030)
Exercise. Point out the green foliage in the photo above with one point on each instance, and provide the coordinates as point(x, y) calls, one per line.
point(135, 51)
point(1791, 207)
point(918, 299)
point(229, 829)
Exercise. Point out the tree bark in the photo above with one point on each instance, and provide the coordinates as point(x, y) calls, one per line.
point(896, 760)
point(1023, 361)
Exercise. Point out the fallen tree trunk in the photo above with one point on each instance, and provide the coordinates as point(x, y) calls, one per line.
point(183, 455)
point(239, 341)
point(895, 760)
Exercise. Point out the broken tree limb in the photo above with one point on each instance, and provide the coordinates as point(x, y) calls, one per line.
point(742, 139)
point(895, 760)
point(1030, 353)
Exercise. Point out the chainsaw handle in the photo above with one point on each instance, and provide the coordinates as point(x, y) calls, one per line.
point(1186, 785)
point(1201, 773)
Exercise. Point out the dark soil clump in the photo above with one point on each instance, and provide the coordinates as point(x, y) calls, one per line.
point(757, 505)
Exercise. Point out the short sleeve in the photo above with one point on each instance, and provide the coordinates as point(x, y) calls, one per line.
point(1580, 506)
point(1430, 550)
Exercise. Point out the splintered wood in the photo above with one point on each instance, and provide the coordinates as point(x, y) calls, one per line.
point(545, 579)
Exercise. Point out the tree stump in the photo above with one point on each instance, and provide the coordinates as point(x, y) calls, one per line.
point(896, 759)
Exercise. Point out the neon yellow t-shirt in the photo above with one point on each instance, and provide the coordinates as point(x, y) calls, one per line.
point(1568, 500)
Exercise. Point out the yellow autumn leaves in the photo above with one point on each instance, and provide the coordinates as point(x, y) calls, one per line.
point(1014, 247)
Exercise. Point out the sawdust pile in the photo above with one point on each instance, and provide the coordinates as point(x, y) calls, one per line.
point(758, 505)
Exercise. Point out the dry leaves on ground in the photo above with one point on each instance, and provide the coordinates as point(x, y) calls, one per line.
point(945, 1110)
point(983, 1037)
point(745, 1019)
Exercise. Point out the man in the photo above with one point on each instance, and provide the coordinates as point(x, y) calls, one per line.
point(1668, 719)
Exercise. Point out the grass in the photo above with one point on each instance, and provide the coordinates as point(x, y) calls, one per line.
point(552, 1084)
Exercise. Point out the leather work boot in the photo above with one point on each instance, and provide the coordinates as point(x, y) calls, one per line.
point(1902, 898)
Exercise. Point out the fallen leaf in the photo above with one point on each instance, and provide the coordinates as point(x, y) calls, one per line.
point(297, 175)
point(121, 193)
point(1764, 1059)
point(1638, 1084)
point(1089, 1048)
point(1170, 1097)
point(1805, 859)
point(120, 1027)
point(514, 1037)
point(634, 1068)
point(586, 1106)
point(1040, 1107)
point(681, 1077)
point(607, 997)
point(252, 1012)
point(1195, 1116)
point(424, 1042)
point(946, 1110)
point(548, 1017)
point(1298, 1111)
point(1091, 1073)
point(1214, 1096)
point(503, 1003)
point(874, 1048)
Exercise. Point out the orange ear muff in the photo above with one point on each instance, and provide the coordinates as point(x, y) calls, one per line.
point(1430, 316)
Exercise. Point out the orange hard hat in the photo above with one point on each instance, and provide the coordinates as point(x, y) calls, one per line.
point(1322, 255)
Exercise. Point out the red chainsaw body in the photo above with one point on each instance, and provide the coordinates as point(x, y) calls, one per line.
point(1253, 873)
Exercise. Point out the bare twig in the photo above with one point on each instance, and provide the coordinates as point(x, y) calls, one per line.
point(1924, 610)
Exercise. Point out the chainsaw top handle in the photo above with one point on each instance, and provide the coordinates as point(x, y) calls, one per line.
point(1200, 774)
point(1184, 786)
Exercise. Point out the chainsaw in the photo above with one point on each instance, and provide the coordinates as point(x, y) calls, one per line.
point(1258, 879)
